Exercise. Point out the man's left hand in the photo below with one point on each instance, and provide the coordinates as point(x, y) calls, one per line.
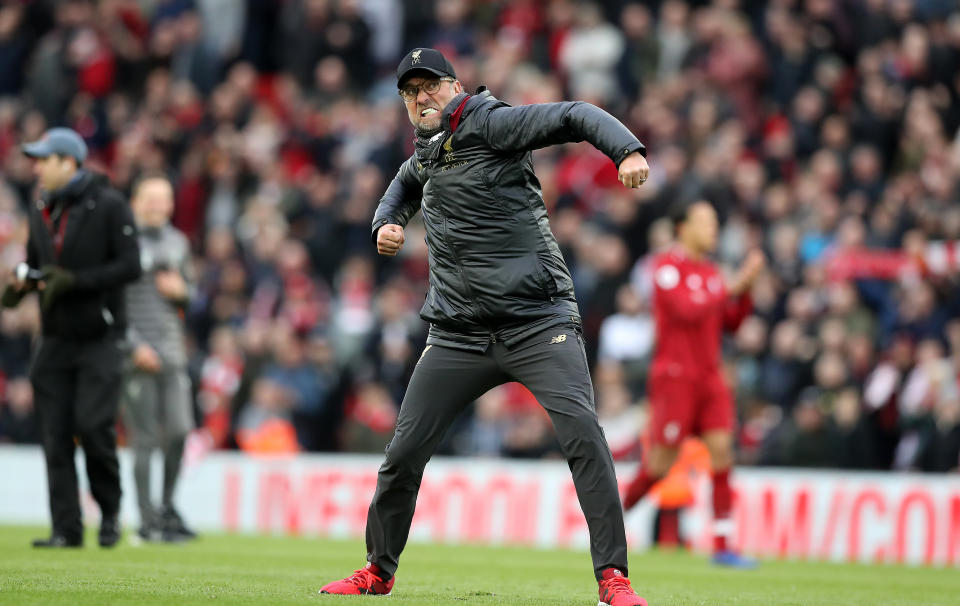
point(634, 170)
point(171, 285)
point(56, 282)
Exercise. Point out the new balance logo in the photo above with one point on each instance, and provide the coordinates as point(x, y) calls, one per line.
point(558, 339)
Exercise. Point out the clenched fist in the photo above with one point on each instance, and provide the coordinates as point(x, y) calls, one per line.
point(634, 170)
point(389, 239)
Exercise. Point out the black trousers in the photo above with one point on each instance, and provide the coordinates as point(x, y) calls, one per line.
point(553, 366)
point(76, 388)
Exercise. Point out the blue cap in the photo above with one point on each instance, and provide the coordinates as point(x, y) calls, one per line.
point(58, 142)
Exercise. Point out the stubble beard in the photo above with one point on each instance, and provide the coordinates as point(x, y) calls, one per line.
point(431, 122)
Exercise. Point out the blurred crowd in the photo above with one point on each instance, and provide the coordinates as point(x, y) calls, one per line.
point(824, 131)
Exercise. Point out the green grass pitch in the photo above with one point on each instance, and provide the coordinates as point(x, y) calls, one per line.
point(228, 570)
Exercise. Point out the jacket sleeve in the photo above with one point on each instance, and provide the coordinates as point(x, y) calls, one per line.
point(401, 200)
point(124, 251)
point(529, 127)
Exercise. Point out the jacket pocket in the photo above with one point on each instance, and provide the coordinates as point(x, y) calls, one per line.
point(545, 280)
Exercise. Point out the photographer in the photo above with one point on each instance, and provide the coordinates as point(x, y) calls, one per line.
point(158, 409)
point(81, 250)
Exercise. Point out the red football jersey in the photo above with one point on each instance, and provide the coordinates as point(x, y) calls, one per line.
point(691, 309)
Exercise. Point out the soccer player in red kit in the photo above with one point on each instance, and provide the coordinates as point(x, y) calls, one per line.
point(688, 396)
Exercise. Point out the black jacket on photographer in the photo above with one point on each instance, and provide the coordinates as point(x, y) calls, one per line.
point(86, 228)
point(496, 271)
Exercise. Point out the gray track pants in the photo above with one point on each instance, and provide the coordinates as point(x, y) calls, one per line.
point(158, 412)
point(445, 381)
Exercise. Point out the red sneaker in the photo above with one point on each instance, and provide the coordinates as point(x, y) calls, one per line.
point(615, 590)
point(361, 582)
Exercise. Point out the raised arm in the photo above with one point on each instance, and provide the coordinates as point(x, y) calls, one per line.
point(401, 200)
point(529, 127)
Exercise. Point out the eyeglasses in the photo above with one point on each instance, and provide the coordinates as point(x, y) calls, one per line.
point(410, 92)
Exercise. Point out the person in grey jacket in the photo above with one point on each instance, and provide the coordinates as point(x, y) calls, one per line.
point(500, 303)
point(158, 404)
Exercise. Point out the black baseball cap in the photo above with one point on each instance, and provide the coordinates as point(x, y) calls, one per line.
point(426, 59)
point(57, 142)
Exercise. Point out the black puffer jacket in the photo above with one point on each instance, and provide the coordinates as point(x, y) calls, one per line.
point(496, 272)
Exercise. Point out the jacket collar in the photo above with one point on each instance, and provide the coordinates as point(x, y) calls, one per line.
point(428, 144)
point(453, 112)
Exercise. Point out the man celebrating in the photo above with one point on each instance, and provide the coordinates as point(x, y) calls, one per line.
point(500, 304)
point(692, 307)
point(158, 404)
point(83, 239)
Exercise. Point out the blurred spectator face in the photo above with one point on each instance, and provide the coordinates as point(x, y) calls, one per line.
point(752, 336)
point(859, 352)
point(10, 18)
point(786, 338)
point(851, 233)
point(425, 110)
point(635, 20)
point(842, 298)
point(835, 133)
point(610, 255)
point(220, 244)
point(189, 27)
point(808, 105)
point(223, 343)
point(256, 337)
point(153, 202)
point(164, 39)
point(452, 13)
point(786, 239)
point(628, 301)
point(865, 164)
point(919, 302)
point(778, 202)
point(292, 257)
point(331, 75)
point(830, 371)
point(699, 231)
point(807, 415)
point(832, 335)
point(73, 13)
point(846, 408)
point(673, 14)
point(270, 395)
point(801, 304)
point(53, 172)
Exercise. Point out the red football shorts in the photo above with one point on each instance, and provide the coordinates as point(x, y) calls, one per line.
point(683, 406)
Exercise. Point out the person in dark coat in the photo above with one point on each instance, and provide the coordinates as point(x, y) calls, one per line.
point(82, 250)
point(501, 305)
